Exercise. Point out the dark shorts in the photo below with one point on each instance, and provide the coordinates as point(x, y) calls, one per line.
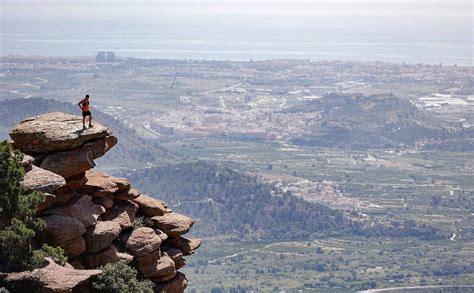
point(86, 113)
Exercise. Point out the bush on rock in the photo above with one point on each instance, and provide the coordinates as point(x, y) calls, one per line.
point(121, 278)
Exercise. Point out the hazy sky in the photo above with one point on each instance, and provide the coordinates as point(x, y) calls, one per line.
point(402, 22)
point(432, 8)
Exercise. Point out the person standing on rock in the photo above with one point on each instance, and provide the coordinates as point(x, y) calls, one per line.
point(84, 105)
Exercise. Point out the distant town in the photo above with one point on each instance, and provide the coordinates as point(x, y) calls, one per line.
point(190, 98)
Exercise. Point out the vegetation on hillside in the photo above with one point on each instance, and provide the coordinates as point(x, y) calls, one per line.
point(381, 121)
point(230, 202)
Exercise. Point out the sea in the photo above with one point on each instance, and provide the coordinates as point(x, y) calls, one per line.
point(424, 31)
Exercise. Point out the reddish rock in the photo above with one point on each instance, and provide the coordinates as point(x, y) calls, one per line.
point(100, 184)
point(95, 260)
point(54, 132)
point(123, 213)
point(141, 241)
point(105, 201)
point(150, 206)
point(42, 180)
point(164, 278)
point(130, 194)
point(73, 247)
point(173, 224)
point(72, 184)
point(177, 256)
point(176, 285)
point(100, 236)
point(162, 234)
point(74, 162)
point(125, 257)
point(65, 232)
point(187, 246)
point(81, 208)
point(52, 278)
point(60, 229)
point(155, 265)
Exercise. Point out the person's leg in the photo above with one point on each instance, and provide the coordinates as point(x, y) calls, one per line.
point(83, 121)
point(90, 120)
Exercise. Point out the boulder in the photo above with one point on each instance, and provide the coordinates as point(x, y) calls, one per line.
point(54, 132)
point(163, 278)
point(176, 285)
point(141, 241)
point(150, 206)
point(52, 278)
point(73, 247)
point(95, 260)
point(81, 208)
point(162, 234)
point(60, 229)
point(99, 184)
point(42, 180)
point(173, 224)
point(27, 161)
point(100, 236)
point(155, 265)
point(125, 257)
point(123, 212)
point(60, 199)
point(74, 162)
point(187, 246)
point(130, 194)
point(105, 201)
point(177, 256)
point(72, 184)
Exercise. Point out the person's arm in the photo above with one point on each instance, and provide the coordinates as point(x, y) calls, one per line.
point(80, 104)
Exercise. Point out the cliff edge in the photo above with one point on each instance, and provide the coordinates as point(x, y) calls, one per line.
point(96, 218)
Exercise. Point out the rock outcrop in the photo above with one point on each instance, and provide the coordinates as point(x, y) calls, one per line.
point(51, 278)
point(54, 132)
point(92, 215)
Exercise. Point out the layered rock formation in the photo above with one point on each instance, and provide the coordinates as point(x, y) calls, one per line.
point(92, 215)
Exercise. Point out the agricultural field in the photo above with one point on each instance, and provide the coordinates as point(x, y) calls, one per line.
point(339, 265)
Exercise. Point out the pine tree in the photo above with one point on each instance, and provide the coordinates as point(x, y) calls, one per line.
point(17, 209)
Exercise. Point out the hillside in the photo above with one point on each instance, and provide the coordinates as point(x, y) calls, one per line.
point(380, 121)
point(230, 202)
point(133, 150)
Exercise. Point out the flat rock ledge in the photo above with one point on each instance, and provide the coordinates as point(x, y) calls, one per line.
point(54, 132)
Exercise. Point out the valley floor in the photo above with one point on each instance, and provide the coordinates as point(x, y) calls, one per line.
point(336, 264)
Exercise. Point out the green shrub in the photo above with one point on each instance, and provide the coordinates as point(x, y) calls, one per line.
point(120, 278)
point(17, 215)
point(139, 222)
point(55, 253)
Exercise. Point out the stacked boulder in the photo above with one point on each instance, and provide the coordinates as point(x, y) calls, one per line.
point(97, 218)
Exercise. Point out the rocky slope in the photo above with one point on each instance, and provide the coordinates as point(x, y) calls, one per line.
point(96, 218)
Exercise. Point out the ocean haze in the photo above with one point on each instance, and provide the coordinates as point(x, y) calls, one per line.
point(395, 31)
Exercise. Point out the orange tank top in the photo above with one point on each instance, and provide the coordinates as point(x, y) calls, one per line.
point(85, 106)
